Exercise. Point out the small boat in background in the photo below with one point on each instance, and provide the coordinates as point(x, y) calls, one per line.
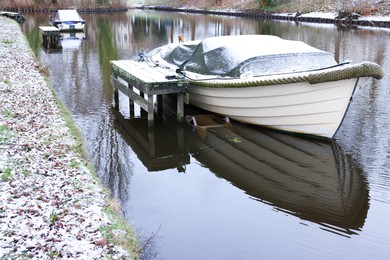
point(68, 20)
point(265, 80)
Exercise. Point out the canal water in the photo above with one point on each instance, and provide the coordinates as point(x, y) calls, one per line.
point(232, 191)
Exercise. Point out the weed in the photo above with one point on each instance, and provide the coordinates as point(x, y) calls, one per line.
point(23, 170)
point(8, 41)
point(44, 71)
point(25, 173)
point(5, 133)
point(107, 232)
point(235, 140)
point(8, 113)
point(75, 164)
point(6, 174)
point(53, 217)
point(54, 253)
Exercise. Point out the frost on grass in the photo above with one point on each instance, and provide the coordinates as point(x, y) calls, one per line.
point(50, 206)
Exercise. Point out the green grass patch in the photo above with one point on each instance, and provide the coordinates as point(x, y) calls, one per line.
point(22, 169)
point(53, 217)
point(6, 174)
point(8, 113)
point(5, 133)
point(120, 233)
point(74, 164)
point(8, 41)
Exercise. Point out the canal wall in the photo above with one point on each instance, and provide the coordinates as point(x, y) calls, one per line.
point(53, 10)
point(350, 20)
point(51, 203)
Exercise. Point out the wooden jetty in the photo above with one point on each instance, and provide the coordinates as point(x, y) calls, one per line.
point(50, 37)
point(16, 16)
point(150, 81)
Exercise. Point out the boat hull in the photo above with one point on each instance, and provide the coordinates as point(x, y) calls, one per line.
point(312, 109)
point(70, 26)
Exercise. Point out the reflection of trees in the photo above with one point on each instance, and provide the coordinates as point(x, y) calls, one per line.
point(107, 49)
point(31, 29)
point(145, 28)
point(111, 157)
point(81, 78)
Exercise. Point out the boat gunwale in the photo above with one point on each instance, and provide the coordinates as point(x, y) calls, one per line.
point(348, 71)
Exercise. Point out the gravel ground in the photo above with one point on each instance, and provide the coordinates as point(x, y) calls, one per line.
point(50, 204)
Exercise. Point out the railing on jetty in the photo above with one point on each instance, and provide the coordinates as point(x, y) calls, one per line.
point(149, 81)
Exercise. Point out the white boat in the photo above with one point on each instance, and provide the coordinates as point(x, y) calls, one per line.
point(265, 80)
point(68, 20)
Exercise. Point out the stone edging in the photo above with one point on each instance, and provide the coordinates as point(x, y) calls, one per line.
point(296, 17)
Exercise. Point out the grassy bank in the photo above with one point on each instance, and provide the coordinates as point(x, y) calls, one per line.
point(117, 231)
point(48, 5)
point(360, 7)
point(364, 8)
point(52, 204)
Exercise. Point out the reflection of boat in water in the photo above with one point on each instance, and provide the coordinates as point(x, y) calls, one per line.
point(71, 40)
point(310, 179)
point(306, 178)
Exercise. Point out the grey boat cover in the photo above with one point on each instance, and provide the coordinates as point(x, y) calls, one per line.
point(238, 54)
point(68, 16)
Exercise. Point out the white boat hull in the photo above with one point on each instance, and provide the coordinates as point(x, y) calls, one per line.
point(260, 80)
point(313, 109)
point(70, 27)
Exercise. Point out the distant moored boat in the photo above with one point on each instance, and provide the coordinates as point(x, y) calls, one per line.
point(68, 20)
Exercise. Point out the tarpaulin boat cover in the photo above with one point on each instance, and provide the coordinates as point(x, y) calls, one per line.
point(258, 54)
point(68, 16)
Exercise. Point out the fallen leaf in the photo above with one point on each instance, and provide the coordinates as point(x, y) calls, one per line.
point(101, 242)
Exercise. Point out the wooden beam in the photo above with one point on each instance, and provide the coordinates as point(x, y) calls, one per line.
point(130, 93)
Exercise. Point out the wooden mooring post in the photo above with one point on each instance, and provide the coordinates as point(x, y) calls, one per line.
point(50, 37)
point(150, 81)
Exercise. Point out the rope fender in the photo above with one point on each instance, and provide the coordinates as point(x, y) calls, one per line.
point(363, 69)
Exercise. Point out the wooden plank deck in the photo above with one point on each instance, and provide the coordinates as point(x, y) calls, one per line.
point(150, 81)
point(49, 30)
point(50, 37)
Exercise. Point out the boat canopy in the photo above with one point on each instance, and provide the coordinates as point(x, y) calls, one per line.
point(257, 54)
point(68, 16)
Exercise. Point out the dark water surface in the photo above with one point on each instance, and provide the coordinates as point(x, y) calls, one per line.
point(234, 192)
